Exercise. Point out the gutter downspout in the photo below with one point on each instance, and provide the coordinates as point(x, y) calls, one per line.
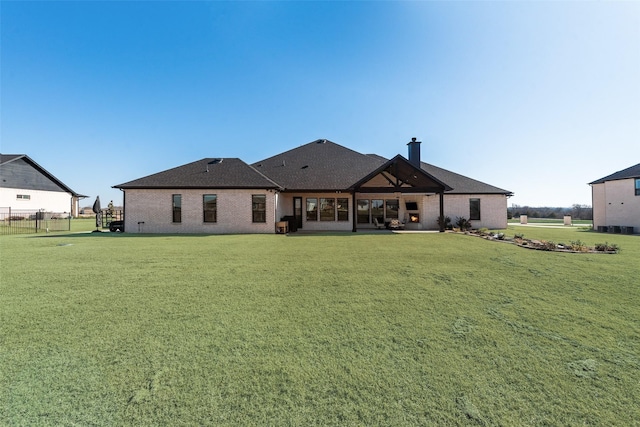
point(442, 210)
point(353, 210)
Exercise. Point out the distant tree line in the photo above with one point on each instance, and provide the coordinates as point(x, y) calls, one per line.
point(576, 211)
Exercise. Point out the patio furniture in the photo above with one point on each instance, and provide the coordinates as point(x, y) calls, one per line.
point(282, 227)
point(396, 225)
point(378, 225)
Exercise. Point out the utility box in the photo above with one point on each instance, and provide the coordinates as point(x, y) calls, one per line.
point(523, 219)
point(626, 230)
point(567, 220)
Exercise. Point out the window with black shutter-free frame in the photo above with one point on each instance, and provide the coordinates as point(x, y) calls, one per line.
point(474, 209)
point(343, 209)
point(259, 207)
point(177, 208)
point(210, 207)
point(312, 209)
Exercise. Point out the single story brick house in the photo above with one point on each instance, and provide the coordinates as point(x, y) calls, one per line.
point(616, 200)
point(27, 186)
point(319, 186)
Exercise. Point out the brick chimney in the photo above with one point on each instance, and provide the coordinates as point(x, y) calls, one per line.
point(414, 152)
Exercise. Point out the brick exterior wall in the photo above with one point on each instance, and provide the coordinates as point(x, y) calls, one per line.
point(599, 204)
point(615, 203)
point(151, 211)
point(493, 209)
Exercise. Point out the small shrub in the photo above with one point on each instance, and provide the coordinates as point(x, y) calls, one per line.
point(483, 231)
point(519, 236)
point(577, 245)
point(606, 247)
point(499, 236)
point(547, 245)
point(445, 222)
point(463, 223)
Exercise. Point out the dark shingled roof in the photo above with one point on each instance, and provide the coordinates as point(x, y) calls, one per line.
point(406, 173)
point(631, 172)
point(8, 158)
point(206, 173)
point(325, 165)
point(460, 183)
point(318, 165)
point(5, 158)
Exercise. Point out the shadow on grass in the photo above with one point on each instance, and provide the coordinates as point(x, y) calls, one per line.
point(340, 233)
point(110, 235)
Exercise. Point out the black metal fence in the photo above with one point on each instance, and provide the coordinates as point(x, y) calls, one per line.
point(14, 221)
point(110, 215)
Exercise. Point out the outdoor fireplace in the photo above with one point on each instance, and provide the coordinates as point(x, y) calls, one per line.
point(414, 217)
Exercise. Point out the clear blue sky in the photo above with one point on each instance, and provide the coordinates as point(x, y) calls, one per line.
point(539, 98)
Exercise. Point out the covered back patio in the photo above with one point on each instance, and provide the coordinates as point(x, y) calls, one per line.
point(396, 195)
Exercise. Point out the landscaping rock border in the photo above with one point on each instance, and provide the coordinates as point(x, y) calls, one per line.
point(575, 247)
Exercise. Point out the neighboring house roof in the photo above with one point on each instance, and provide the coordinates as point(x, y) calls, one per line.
point(205, 173)
point(317, 166)
point(6, 158)
point(631, 172)
point(460, 183)
point(12, 177)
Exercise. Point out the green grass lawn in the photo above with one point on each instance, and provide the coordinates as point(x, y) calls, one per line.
point(552, 221)
point(317, 329)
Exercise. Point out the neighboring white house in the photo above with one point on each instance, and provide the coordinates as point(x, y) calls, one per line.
point(319, 186)
point(27, 186)
point(616, 201)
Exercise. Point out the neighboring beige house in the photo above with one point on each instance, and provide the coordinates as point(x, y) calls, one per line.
point(319, 186)
point(27, 186)
point(616, 201)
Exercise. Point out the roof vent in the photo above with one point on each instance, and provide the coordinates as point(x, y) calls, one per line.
point(322, 141)
point(213, 162)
